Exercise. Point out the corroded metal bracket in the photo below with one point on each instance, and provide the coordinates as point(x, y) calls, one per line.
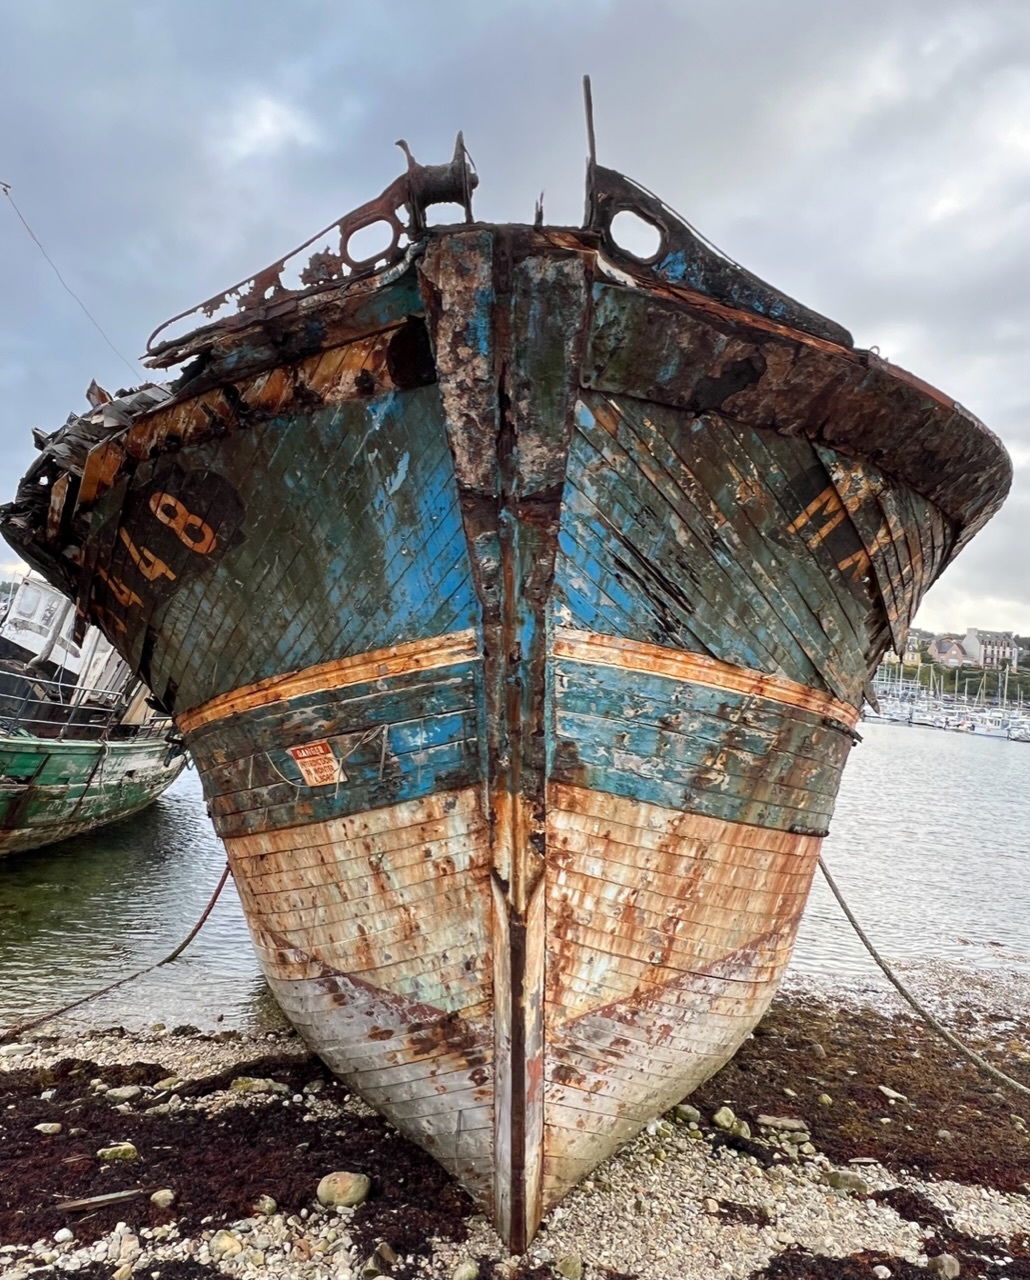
point(411, 194)
point(683, 257)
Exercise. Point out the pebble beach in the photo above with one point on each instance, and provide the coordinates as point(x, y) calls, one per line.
point(844, 1140)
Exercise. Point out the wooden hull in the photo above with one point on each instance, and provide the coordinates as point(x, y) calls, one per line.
point(53, 789)
point(518, 628)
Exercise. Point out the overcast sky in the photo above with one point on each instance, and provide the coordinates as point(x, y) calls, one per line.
point(872, 159)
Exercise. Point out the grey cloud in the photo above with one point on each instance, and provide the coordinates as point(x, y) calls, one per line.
point(867, 158)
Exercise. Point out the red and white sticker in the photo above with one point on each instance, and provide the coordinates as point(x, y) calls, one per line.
point(318, 763)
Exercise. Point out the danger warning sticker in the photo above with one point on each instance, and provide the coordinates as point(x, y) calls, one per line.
point(318, 763)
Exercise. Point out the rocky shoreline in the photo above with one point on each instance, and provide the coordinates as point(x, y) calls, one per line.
point(844, 1141)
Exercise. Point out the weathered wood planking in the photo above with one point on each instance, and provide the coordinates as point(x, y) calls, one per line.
point(392, 737)
point(625, 1020)
point(360, 487)
point(664, 350)
point(507, 327)
point(415, 1039)
point(518, 619)
point(666, 540)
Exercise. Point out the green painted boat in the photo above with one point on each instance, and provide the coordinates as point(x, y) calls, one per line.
point(79, 750)
point(52, 790)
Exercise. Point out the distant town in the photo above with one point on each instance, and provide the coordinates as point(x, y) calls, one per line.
point(993, 665)
point(987, 650)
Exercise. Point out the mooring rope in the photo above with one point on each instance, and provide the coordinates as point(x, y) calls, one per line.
point(5, 189)
point(13, 1034)
point(907, 995)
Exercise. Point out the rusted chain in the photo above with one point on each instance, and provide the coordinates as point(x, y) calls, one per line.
point(7, 1036)
point(910, 999)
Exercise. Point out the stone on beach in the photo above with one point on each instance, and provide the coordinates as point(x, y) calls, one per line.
point(383, 1258)
point(787, 1124)
point(256, 1084)
point(48, 1127)
point(848, 1180)
point(124, 1093)
point(128, 1247)
point(945, 1265)
point(343, 1189)
point(224, 1245)
point(164, 1198)
point(118, 1151)
point(724, 1118)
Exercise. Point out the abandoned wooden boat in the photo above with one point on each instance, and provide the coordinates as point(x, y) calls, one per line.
point(79, 746)
point(516, 596)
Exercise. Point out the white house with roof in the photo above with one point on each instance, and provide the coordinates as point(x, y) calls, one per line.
point(991, 648)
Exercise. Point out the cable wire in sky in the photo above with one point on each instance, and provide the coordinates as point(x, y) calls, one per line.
point(133, 369)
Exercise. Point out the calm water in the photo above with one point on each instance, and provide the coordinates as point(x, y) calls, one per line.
point(930, 843)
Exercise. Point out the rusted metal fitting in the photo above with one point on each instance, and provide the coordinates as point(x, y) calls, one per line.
point(401, 207)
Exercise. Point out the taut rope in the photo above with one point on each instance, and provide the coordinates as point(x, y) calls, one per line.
point(907, 995)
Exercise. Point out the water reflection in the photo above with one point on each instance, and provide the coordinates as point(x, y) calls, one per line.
point(930, 845)
point(81, 914)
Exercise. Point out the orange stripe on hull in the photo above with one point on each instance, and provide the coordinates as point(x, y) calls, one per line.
point(461, 646)
point(394, 660)
point(696, 668)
